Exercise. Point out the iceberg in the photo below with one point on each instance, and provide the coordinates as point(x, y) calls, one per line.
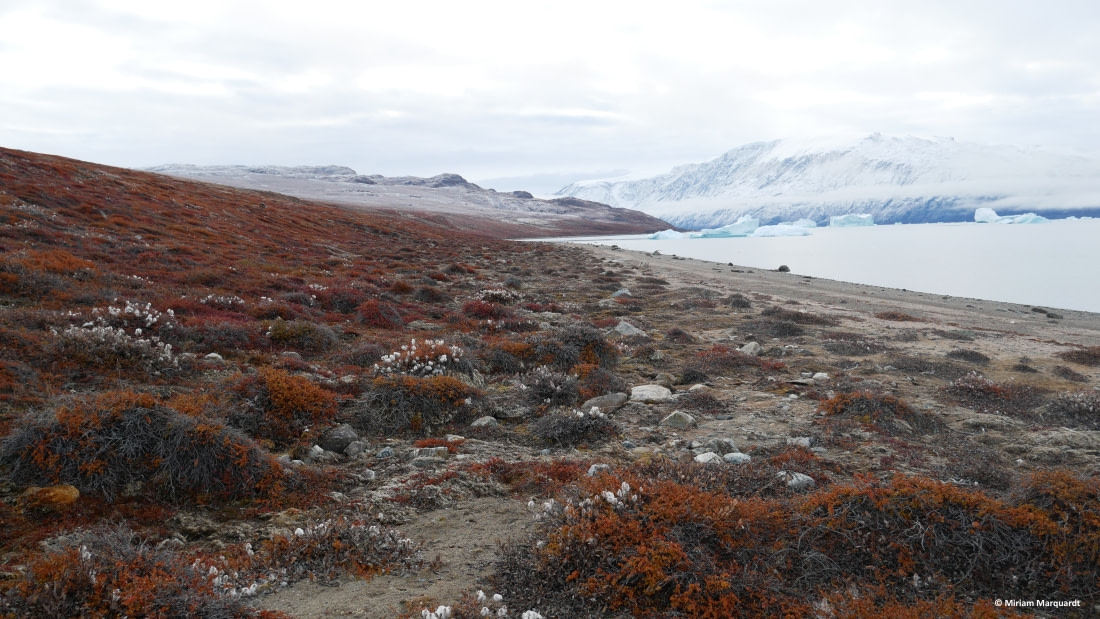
point(783, 229)
point(805, 223)
point(665, 235)
point(853, 219)
point(742, 227)
point(987, 215)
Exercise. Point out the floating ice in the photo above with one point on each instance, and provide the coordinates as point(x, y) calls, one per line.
point(783, 229)
point(666, 235)
point(987, 215)
point(742, 227)
point(853, 219)
point(805, 223)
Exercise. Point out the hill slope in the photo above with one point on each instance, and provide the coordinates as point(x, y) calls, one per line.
point(896, 179)
point(446, 199)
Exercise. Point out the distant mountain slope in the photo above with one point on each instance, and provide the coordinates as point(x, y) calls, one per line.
point(446, 199)
point(896, 179)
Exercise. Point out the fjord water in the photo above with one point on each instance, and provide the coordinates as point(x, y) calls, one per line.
point(1055, 265)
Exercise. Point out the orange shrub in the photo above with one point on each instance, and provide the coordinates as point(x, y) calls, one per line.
point(281, 407)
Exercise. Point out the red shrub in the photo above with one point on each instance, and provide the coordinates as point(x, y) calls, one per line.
point(485, 310)
point(375, 313)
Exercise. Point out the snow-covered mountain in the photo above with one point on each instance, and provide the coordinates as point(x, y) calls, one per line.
point(896, 179)
point(445, 199)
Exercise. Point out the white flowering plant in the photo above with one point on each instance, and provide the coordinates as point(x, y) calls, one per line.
point(425, 357)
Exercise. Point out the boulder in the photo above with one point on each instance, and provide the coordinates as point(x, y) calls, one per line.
point(484, 422)
point(722, 445)
point(708, 458)
point(737, 458)
point(606, 403)
point(337, 439)
point(627, 329)
point(752, 348)
point(679, 420)
point(650, 394)
point(796, 481)
point(355, 448)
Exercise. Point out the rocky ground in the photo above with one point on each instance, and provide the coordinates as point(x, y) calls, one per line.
point(909, 345)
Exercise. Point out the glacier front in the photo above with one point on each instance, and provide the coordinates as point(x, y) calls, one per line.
point(894, 179)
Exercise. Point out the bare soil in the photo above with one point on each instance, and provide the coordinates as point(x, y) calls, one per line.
point(760, 414)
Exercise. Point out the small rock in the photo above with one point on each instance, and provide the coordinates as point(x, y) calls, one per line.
point(737, 458)
point(820, 376)
point(800, 441)
point(665, 380)
point(316, 452)
point(355, 448)
point(784, 268)
point(722, 445)
point(289, 354)
point(367, 475)
point(386, 452)
point(627, 329)
point(484, 422)
point(423, 325)
point(650, 394)
point(622, 292)
point(453, 438)
point(596, 469)
point(679, 420)
point(214, 358)
point(606, 403)
point(698, 387)
point(337, 439)
point(431, 452)
point(708, 458)
point(796, 481)
point(1054, 316)
point(752, 348)
point(628, 445)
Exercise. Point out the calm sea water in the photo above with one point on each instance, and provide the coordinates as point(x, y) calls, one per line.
point(1055, 265)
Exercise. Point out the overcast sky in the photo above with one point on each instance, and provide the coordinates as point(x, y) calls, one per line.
point(520, 88)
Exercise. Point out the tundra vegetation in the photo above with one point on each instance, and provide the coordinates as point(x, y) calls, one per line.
point(232, 391)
